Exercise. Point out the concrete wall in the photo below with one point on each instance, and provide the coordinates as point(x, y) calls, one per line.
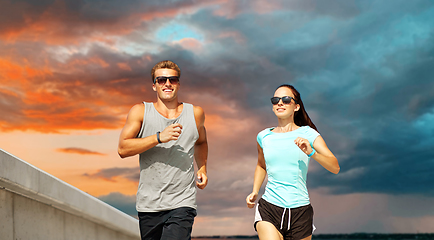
point(35, 205)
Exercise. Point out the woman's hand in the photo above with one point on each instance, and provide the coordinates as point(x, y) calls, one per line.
point(304, 145)
point(323, 155)
point(250, 200)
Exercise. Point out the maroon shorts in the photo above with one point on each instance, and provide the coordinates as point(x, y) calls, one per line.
point(292, 223)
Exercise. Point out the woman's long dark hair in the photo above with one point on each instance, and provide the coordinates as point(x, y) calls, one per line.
point(301, 118)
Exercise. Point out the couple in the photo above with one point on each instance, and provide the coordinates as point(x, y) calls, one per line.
point(168, 134)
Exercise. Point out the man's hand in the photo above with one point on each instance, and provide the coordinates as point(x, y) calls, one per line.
point(171, 132)
point(202, 179)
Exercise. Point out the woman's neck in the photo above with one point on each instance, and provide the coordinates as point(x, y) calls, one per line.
point(285, 125)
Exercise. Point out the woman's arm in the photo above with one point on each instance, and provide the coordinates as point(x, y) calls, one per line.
point(258, 179)
point(322, 153)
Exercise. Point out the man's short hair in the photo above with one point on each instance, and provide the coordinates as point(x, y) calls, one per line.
point(165, 64)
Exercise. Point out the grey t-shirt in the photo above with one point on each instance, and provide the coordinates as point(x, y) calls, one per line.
point(167, 170)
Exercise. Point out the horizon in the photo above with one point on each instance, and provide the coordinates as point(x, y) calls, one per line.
point(370, 235)
point(70, 71)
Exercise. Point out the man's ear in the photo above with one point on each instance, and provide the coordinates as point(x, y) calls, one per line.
point(154, 88)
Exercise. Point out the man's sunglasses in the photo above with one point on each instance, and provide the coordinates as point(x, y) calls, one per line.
point(162, 80)
point(285, 100)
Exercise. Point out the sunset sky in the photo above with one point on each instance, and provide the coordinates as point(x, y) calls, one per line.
point(70, 70)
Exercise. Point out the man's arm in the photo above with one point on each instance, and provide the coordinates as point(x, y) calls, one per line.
point(201, 148)
point(129, 144)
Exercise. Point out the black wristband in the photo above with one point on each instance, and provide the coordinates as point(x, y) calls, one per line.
point(158, 137)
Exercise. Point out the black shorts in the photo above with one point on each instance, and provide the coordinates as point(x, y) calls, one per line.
point(299, 226)
point(170, 224)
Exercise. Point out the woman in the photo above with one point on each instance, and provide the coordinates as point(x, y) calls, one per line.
point(284, 211)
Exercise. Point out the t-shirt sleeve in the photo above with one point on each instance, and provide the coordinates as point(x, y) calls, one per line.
point(311, 135)
point(261, 136)
point(259, 139)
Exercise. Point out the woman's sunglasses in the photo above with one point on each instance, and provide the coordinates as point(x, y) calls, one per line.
point(162, 80)
point(285, 100)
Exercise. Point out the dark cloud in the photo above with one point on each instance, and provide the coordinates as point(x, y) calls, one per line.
point(340, 8)
point(364, 70)
point(227, 189)
point(390, 152)
point(70, 22)
point(125, 203)
point(393, 158)
point(221, 204)
point(361, 106)
point(132, 174)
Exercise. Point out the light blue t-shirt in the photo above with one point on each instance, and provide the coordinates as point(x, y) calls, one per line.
point(286, 166)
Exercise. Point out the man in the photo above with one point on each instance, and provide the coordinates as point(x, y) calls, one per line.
point(167, 134)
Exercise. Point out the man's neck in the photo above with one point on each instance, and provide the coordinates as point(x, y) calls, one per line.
point(169, 109)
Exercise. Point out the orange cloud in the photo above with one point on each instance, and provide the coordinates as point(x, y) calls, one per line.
point(264, 7)
point(124, 66)
point(43, 96)
point(66, 96)
point(237, 36)
point(56, 111)
point(89, 61)
point(222, 127)
point(56, 121)
point(12, 72)
point(81, 151)
point(99, 186)
point(231, 9)
point(190, 44)
point(8, 92)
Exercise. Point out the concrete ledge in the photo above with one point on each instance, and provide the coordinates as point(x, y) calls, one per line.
point(17, 176)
